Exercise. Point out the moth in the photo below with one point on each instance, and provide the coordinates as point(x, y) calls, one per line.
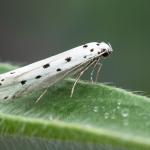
point(47, 72)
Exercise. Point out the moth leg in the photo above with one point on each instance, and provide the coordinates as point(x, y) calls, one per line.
point(80, 68)
point(92, 72)
point(97, 73)
point(59, 79)
point(81, 73)
point(95, 65)
point(43, 93)
point(73, 87)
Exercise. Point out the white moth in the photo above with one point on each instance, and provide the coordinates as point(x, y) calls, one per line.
point(47, 72)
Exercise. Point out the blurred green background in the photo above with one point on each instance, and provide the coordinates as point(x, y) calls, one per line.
point(33, 30)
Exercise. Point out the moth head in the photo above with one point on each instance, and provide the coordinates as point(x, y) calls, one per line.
point(105, 49)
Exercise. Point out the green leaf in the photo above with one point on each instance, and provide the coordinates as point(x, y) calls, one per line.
point(98, 116)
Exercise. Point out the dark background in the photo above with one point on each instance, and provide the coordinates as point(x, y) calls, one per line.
point(33, 30)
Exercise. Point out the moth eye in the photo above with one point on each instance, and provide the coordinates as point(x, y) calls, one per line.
point(105, 54)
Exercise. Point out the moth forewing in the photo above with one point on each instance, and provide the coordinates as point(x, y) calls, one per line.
point(47, 72)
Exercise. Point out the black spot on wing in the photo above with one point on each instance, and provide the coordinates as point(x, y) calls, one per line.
point(38, 77)
point(85, 46)
point(58, 69)
point(23, 82)
point(84, 56)
point(12, 72)
point(97, 44)
point(68, 59)
point(0, 84)
point(91, 50)
point(6, 97)
point(2, 79)
point(46, 66)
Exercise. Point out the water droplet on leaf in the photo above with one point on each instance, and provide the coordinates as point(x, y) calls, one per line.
point(95, 109)
point(106, 115)
point(125, 112)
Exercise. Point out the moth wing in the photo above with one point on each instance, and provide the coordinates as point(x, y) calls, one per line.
point(14, 90)
point(8, 92)
point(48, 81)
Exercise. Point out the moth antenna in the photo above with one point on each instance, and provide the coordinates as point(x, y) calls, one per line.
point(43, 93)
point(110, 46)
